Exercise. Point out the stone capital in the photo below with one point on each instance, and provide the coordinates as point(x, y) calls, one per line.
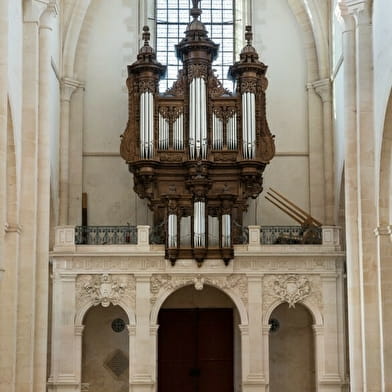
point(79, 330)
point(244, 329)
point(12, 228)
point(359, 9)
point(68, 87)
point(48, 16)
point(383, 231)
point(33, 10)
point(323, 88)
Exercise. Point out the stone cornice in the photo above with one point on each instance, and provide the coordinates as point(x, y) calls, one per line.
point(383, 231)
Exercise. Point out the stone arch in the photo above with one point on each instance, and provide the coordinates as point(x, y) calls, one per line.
point(314, 311)
point(385, 201)
point(82, 311)
point(315, 40)
point(237, 301)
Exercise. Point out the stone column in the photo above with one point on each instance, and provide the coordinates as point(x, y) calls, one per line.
point(3, 120)
point(66, 336)
point(323, 89)
point(384, 242)
point(43, 214)
point(28, 198)
point(316, 164)
point(68, 86)
point(256, 373)
point(142, 379)
point(363, 274)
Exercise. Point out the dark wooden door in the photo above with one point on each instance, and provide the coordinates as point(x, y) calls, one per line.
point(195, 350)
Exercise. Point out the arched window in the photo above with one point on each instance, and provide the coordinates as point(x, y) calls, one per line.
point(172, 17)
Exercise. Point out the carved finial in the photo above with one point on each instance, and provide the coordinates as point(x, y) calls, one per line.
point(146, 35)
point(249, 35)
point(195, 11)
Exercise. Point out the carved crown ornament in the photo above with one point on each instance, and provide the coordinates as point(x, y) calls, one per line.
point(198, 138)
point(105, 289)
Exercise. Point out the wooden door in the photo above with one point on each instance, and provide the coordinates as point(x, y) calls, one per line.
point(195, 350)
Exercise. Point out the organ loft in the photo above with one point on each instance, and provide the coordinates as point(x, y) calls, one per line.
point(198, 151)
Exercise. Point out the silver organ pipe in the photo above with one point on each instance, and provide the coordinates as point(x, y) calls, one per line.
point(172, 231)
point(226, 231)
point(203, 117)
point(248, 125)
point(192, 115)
point(199, 224)
point(146, 125)
point(217, 133)
point(163, 133)
point(231, 134)
point(198, 119)
point(253, 123)
point(178, 133)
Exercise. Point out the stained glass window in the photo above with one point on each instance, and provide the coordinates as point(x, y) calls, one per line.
point(172, 16)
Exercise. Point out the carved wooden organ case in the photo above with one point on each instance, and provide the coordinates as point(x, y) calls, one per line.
point(198, 151)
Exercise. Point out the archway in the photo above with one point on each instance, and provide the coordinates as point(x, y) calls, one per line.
point(105, 350)
point(384, 239)
point(291, 350)
point(198, 342)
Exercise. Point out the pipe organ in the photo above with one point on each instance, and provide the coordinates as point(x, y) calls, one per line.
point(197, 151)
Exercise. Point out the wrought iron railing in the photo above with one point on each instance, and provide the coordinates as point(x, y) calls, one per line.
point(270, 235)
point(105, 235)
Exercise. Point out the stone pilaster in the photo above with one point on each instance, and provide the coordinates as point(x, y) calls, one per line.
point(363, 273)
point(68, 87)
point(323, 88)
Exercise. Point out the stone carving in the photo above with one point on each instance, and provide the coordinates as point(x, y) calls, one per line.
point(291, 289)
point(162, 282)
point(105, 289)
point(117, 363)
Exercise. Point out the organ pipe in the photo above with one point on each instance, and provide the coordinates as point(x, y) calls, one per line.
point(226, 231)
point(198, 119)
point(248, 125)
point(199, 229)
point(172, 231)
point(217, 133)
point(146, 125)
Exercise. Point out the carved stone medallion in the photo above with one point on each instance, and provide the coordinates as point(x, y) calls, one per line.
point(105, 289)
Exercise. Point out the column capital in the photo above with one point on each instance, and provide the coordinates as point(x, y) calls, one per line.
point(383, 231)
point(244, 329)
point(78, 330)
point(33, 10)
point(48, 16)
point(323, 88)
point(131, 330)
point(359, 9)
point(68, 87)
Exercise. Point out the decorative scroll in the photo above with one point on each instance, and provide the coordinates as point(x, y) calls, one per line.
point(163, 282)
point(179, 86)
point(105, 289)
point(215, 87)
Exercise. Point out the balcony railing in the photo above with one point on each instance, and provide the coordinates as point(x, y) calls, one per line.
point(270, 235)
point(141, 238)
point(105, 235)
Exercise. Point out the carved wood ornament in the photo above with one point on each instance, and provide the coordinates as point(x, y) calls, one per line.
point(198, 146)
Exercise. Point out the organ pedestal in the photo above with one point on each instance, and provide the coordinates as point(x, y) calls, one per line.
point(198, 151)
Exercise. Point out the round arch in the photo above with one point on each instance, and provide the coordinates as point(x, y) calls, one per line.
point(314, 311)
point(314, 37)
point(82, 311)
point(231, 294)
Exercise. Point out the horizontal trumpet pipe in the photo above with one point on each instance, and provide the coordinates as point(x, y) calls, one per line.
point(295, 212)
point(295, 206)
point(282, 209)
